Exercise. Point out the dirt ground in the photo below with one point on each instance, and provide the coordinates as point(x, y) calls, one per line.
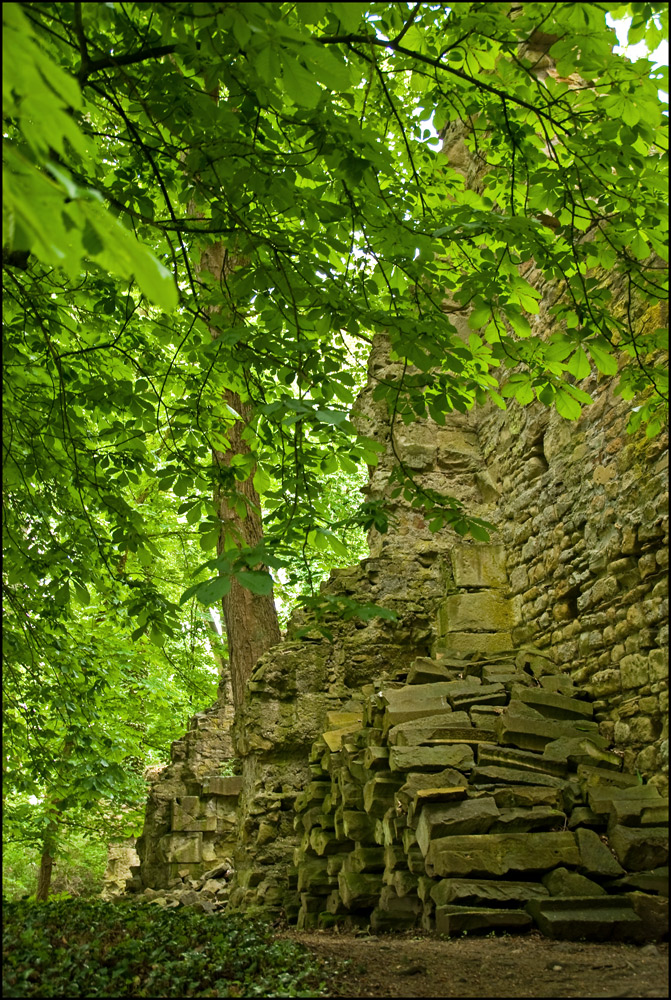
point(508, 966)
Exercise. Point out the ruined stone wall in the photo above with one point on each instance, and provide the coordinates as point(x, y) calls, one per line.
point(583, 519)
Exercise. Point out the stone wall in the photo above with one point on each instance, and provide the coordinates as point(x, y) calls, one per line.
point(583, 518)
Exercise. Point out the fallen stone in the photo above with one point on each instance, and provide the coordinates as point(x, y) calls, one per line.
point(527, 796)
point(376, 758)
point(413, 701)
point(484, 892)
point(417, 780)
point(427, 671)
point(526, 760)
point(404, 883)
point(359, 891)
point(551, 705)
point(434, 735)
point(470, 816)
point(508, 775)
point(625, 805)
point(653, 912)
point(405, 733)
point(533, 733)
point(640, 849)
point(358, 826)
point(424, 795)
point(572, 750)
point(536, 818)
point(595, 857)
point(584, 816)
point(364, 860)
point(590, 776)
point(498, 854)
point(595, 918)
point(562, 882)
point(378, 795)
point(654, 881)
point(431, 758)
point(452, 919)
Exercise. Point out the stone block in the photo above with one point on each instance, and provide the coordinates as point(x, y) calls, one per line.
point(490, 754)
point(416, 731)
point(184, 848)
point(499, 854)
point(427, 671)
point(625, 805)
point(439, 819)
point(595, 858)
point(433, 734)
point(365, 860)
point(313, 876)
point(634, 671)
point(605, 683)
point(434, 758)
point(231, 786)
point(527, 796)
point(359, 891)
point(378, 795)
point(358, 826)
point(572, 750)
point(468, 643)
point(414, 701)
point(528, 820)
point(551, 705)
point(479, 565)
point(480, 611)
point(562, 882)
point(595, 918)
point(452, 920)
point(463, 697)
point(494, 775)
point(533, 733)
point(640, 849)
point(485, 892)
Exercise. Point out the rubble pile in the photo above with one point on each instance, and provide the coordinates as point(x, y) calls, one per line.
point(477, 794)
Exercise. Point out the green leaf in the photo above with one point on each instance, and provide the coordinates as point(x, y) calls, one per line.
point(256, 581)
point(601, 355)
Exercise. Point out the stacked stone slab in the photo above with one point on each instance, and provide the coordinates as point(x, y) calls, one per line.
point(477, 794)
point(191, 813)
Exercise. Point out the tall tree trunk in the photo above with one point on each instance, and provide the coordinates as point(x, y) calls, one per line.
point(44, 874)
point(251, 619)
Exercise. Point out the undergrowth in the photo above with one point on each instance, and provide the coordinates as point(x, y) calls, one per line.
point(79, 948)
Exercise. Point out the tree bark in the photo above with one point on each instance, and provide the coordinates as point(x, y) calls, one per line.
point(44, 874)
point(251, 619)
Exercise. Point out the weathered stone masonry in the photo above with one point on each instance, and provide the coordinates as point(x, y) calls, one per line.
point(482, 632)
point(498, 756)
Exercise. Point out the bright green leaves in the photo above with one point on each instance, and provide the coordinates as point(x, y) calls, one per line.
point(56, 219)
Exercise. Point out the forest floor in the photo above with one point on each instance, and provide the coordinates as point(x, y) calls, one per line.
point(410, 965)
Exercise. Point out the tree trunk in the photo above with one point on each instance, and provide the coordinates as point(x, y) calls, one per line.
point(251, 619)
point(44, 875)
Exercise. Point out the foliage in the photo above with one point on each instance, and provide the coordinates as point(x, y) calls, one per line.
point(286, 146)
point(78, 871)
point(94, 949)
